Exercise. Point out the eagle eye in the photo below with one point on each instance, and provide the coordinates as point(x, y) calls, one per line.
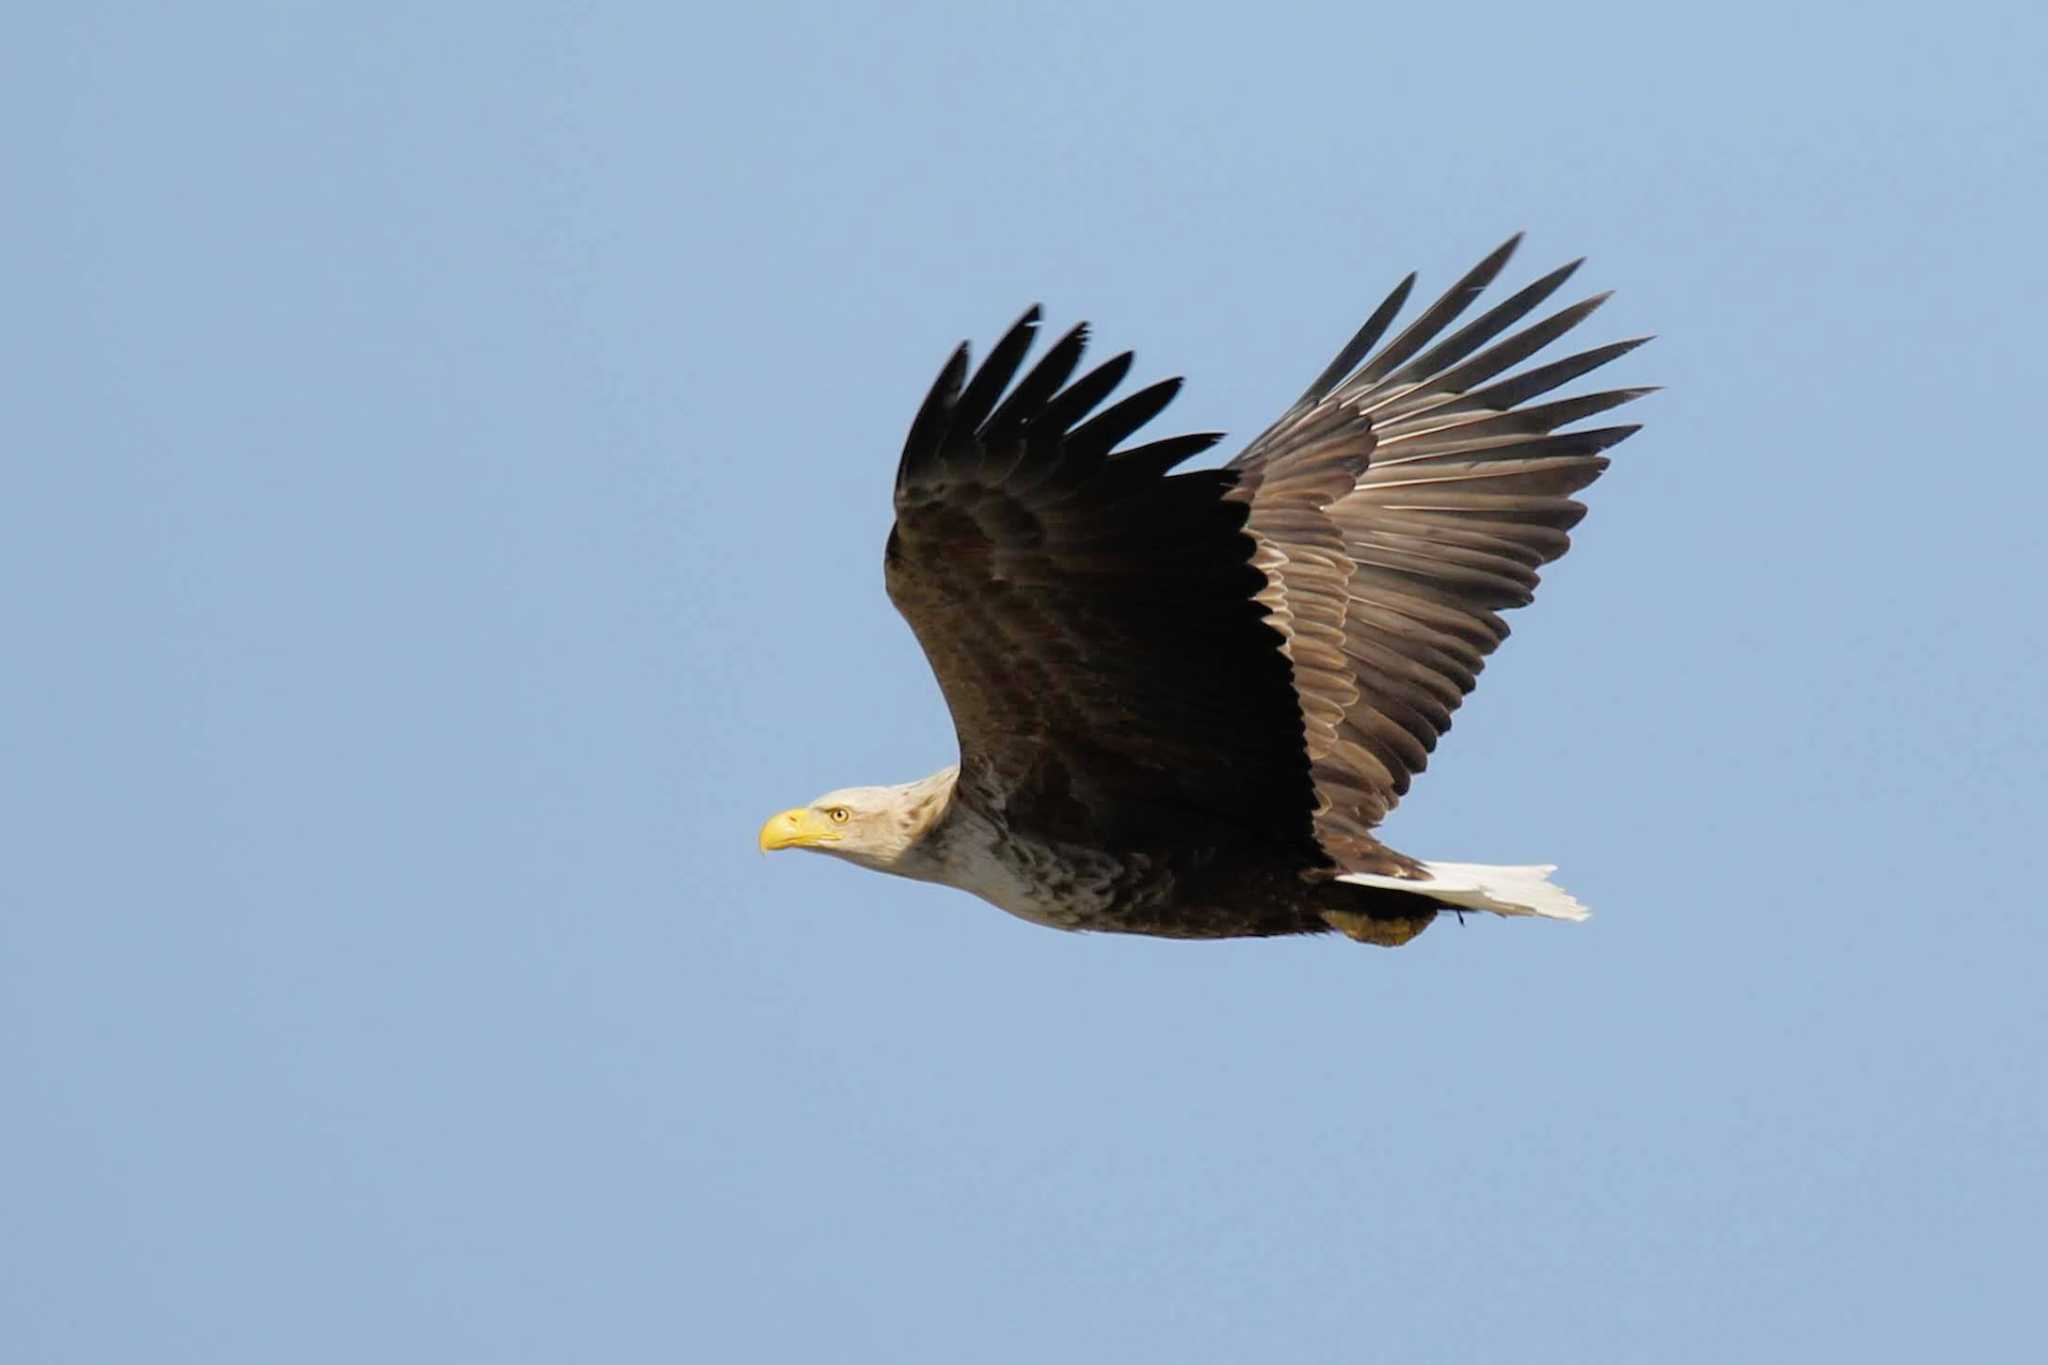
point(840, 814)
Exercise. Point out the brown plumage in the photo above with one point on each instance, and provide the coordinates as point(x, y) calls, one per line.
point(1185, 700)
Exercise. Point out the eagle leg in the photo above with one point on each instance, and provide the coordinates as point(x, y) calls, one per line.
point(1388, 931)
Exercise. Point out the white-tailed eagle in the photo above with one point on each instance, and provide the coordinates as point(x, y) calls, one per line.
point(1185, 700)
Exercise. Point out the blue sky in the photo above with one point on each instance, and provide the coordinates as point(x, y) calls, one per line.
point(447, 456)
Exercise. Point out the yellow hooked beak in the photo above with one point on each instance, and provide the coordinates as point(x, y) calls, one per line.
point(799, 828)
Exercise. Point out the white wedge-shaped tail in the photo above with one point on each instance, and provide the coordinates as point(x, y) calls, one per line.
point(1476, 886)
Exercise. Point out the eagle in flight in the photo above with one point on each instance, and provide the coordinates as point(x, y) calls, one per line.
point(1185, 700)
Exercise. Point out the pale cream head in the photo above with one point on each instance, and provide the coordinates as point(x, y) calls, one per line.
point(872, 826)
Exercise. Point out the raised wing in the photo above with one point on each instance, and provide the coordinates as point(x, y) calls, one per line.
point(1091, 617)
point(1400, 505)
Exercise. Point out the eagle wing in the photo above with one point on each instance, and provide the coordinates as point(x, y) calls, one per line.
point(1388, 585)
point(1091, 616)
point(1272, 648)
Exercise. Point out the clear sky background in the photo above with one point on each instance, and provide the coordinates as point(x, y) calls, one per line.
point(446, 466)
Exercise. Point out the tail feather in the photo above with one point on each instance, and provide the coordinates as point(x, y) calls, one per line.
point(1476, 886)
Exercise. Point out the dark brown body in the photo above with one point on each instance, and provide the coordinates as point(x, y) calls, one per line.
point(1240, 900)
point(1216, 887)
